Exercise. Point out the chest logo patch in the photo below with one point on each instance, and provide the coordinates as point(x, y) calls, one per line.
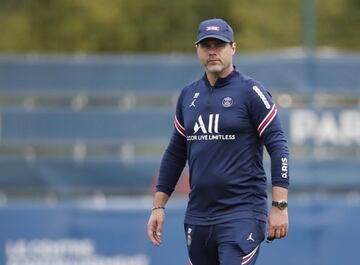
point(207, 129)
point(227, 102)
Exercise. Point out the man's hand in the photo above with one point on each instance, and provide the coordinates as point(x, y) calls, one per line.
point(155, 225)
point(278, 223)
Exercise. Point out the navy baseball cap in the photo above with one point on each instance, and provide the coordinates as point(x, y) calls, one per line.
point(215, 28)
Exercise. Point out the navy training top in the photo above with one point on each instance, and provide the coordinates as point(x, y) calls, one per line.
point(221, 131)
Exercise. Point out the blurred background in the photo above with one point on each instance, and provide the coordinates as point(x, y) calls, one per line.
point(87, 99)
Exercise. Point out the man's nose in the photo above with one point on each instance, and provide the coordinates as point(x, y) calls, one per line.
point(212, 49)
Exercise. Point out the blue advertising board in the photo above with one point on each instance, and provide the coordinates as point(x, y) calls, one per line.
point(322, 232)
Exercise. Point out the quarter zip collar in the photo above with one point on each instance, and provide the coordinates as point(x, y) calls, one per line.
point(221, 82)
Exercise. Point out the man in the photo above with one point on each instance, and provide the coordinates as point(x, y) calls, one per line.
point(222, 123)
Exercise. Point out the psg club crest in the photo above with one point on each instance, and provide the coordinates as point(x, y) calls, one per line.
point(227, 102)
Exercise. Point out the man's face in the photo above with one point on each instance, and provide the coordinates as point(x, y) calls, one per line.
point(215, 55)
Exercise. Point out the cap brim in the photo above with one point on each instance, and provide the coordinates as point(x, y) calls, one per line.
point(213, 37)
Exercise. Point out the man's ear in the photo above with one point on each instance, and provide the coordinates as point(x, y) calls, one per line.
point(233, 46)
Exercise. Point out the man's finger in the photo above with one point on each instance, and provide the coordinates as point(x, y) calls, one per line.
point(271, 230)
point(278, 233)
point(152, 234)
point(269, 239)
point(157, 239)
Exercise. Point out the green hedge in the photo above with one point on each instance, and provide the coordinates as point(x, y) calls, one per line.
point(126, 26)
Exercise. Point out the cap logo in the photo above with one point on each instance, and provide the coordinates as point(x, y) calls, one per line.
point(216, 28)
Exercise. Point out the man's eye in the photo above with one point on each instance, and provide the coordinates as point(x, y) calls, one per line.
point(214, 45)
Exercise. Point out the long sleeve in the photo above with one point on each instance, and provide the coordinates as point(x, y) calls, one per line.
point(268, 126)
point(174, 159)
